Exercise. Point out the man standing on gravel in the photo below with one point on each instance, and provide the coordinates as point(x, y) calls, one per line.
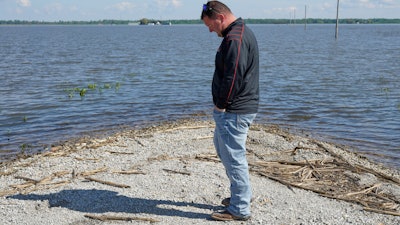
point(235, 91)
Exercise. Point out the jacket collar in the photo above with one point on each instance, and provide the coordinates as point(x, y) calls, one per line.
point(229, 28)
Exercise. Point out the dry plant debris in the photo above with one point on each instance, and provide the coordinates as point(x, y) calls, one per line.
point(330, 174)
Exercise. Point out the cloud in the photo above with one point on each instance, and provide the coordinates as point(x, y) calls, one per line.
point(166, 3)
point(124, 6)
point(369, 4)
point(176, 3)
point(24, 3)
point(53, 8)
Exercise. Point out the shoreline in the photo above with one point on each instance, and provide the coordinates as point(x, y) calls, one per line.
point(375, 158)
point(169, 173)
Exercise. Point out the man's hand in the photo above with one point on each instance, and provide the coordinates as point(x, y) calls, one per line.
point(218, 109)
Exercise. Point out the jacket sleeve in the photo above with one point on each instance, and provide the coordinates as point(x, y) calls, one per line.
point(234, 69)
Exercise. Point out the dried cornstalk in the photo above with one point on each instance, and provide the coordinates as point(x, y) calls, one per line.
point(316, 174)
point(161, 158)
point(6, 173)
point(61, 173)
point(128, 172)
point(329, 169)
point(23, 186)
point(366, 191)
point(377, 195)
point(290, 184)
point(106, 218)
point(107, 182)
point(30, 180)
point(87, 159)
point(299, 170)
point(178, 172)
point(54, 154)
point(202, 138)
point(213, 158)
point(307, 173)
point(185, 128)
point(120, 153)
point(7, 192)
point(59, 183)
point(382, 211)
point(378, 174)
point(92, 172)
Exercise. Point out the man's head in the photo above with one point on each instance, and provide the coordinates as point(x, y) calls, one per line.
point(217, 16)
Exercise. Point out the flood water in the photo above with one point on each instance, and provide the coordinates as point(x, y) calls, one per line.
point(60, 82)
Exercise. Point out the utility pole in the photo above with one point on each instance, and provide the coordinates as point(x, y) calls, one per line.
point(337, 21)
point(305, 17)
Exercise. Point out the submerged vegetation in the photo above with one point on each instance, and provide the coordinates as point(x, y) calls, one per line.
point(82, 91)
point(146, 21)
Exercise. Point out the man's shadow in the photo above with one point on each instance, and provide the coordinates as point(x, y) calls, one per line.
point(103, 201)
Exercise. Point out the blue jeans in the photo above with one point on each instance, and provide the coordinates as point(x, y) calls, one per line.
point(230, 143)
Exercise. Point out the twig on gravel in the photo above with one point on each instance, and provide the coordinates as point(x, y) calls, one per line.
point(87, 159)
point(7, 193)
point(366, 191)
point(106, 217)
point(6, 173)
point(128, 172)
point(209, 157)
point(201, 138)
point(185, 128)
point(30, 180)
point(378, 174)
point(121, 153)
point(382, 211)
point(178, 172)
point(92, 172)
point(107, 182)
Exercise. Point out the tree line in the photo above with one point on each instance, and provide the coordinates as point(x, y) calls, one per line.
point(146, 21)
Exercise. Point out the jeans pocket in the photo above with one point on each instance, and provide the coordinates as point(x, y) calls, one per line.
point(244, 121)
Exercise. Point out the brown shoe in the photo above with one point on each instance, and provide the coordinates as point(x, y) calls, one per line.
point(226, 202)
point(227, 216)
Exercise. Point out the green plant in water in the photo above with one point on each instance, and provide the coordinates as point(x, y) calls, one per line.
point(386, 90)
point(82, 92)
point(25, 118)
point(24, 147)
point(117, 86)
point(92, 86)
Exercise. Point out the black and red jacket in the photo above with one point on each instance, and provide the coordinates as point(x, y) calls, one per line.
point(235, 85)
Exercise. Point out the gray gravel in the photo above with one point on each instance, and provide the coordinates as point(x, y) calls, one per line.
point(174, 187)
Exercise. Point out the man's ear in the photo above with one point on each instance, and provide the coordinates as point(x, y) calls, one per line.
point(221, 17)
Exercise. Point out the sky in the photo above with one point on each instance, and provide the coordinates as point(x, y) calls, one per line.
point(86, 10)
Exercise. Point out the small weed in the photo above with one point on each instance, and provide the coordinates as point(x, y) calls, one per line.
point(386, 91)
point(92, 86)
point(82, 92)
point(24, 147)
point(117, 86)
point(25, 118)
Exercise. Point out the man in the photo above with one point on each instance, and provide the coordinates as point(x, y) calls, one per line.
point(235, 91)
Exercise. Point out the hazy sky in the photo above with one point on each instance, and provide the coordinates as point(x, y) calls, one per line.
point(54, 10)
